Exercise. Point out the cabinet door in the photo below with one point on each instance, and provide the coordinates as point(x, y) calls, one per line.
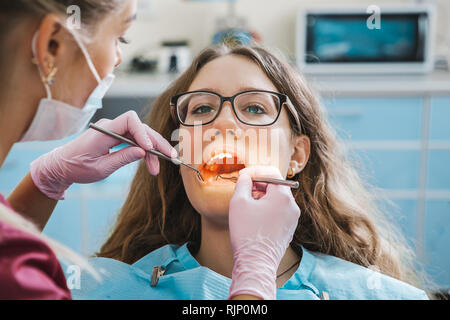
point(388, 169)
point(402, 213)
point(437, 241)
point(376, 118)
point(440, 118)
point(438, 170)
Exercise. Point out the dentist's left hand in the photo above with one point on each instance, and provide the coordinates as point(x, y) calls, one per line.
point(88, 159)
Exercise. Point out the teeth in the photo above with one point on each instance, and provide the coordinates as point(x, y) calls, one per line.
point(219, 156)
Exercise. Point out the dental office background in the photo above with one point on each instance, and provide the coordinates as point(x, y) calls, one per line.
point(396, 126)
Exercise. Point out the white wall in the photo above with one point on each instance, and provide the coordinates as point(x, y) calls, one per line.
point(273, 19)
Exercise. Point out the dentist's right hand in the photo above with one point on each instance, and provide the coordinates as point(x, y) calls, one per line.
point(88, 159)
point(261, 231)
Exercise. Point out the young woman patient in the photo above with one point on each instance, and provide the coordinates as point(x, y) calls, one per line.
point(242, 111)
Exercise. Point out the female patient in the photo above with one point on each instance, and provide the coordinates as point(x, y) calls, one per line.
point(256, 118)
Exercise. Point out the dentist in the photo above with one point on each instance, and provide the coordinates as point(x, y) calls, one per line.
point(52, 81)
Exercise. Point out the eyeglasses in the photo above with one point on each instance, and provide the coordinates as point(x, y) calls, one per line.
point(253, 107)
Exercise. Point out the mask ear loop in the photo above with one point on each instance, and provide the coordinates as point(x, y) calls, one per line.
point(83, 50)
point(36, 62)
point(86, 55)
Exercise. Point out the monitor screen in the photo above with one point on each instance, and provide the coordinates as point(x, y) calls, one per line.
point(340, 38)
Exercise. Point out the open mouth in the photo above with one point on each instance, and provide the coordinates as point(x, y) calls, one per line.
point(221, 167)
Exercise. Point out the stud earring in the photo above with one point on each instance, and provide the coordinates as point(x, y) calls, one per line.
point(290, 173)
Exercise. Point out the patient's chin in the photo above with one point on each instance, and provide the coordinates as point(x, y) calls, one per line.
point(211, 201)
point(215, 200)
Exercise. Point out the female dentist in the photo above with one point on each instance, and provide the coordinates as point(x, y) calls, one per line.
point(52, 80)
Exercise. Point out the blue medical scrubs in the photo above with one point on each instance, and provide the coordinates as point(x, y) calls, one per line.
point(319, 276)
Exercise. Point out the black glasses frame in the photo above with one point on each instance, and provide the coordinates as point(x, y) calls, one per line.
point(174, 108)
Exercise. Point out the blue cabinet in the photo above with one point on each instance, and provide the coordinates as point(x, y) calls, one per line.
point(402, 145)
point(439, 170)
point(374, 118)
point(402, 213)
point(437, 241)
point(437, 214)
point(440, 119)
point(388, 169)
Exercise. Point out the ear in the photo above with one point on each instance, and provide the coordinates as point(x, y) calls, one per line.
point(300, 155)
point(48, 42)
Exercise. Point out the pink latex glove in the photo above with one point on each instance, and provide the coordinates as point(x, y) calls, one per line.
point(88, 159)
point(261, 231)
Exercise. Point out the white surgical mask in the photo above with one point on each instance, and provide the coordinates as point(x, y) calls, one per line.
point(55, 119)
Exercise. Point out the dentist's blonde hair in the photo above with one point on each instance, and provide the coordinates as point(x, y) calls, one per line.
point(91, 11)
point(16, 12)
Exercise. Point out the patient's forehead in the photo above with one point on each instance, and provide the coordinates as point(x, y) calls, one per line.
point(231, 74)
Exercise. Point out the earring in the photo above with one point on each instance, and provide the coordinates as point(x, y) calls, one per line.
point(50, 79)
point(290, 173)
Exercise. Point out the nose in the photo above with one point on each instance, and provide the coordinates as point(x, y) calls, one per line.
point(226, 122)
point(119, 57)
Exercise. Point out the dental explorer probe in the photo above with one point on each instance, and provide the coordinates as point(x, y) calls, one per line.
point(289, 183)
point(175, 161)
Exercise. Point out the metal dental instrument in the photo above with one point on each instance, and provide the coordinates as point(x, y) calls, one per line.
point(175, 161)
point(289, 183)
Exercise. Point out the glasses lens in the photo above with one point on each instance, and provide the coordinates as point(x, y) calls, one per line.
point(257, 108)
point(197, 108)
